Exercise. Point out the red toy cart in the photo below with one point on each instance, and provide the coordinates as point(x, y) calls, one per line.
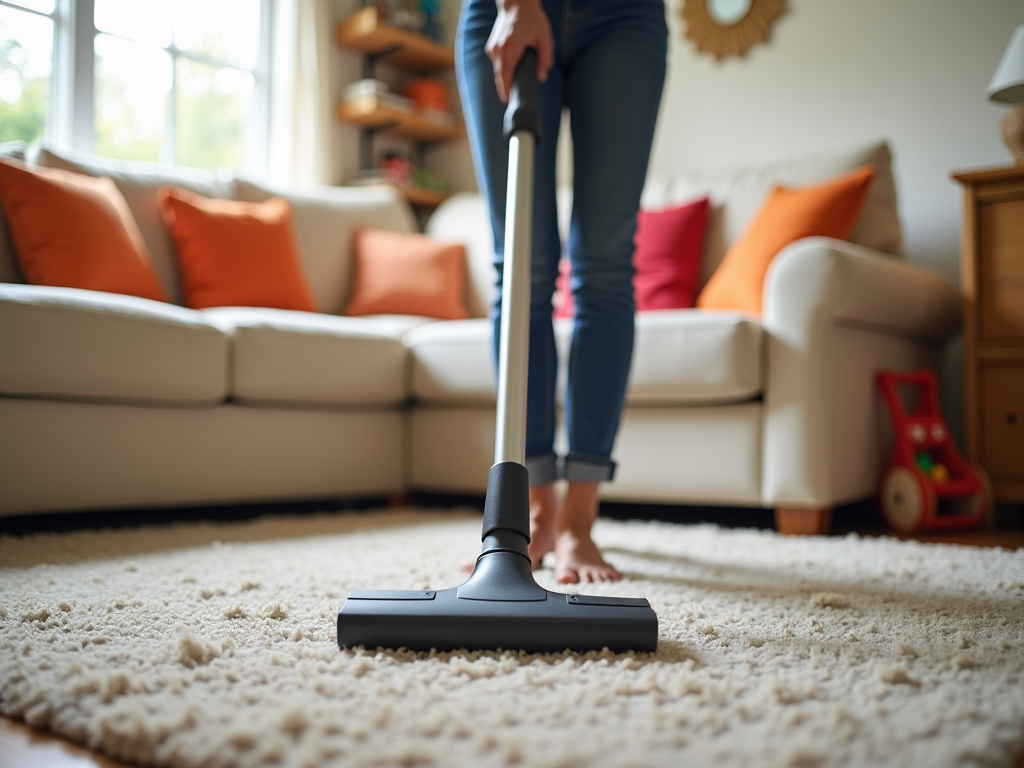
point(928, 485)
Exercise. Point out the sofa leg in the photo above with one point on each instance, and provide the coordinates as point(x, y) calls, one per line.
point(398, 499)
point(802, 522)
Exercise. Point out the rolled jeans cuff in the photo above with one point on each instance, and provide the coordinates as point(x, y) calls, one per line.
point(587, 469)
point(543, 469)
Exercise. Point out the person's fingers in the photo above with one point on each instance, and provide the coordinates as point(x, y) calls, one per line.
point(510, 36)
point(504, 56)
point(545, 58)
point(509, 62)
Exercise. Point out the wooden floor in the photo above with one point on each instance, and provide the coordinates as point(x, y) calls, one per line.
point(22, 747)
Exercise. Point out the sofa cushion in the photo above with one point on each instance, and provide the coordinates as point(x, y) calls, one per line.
point(685, 356)
point(829, 209)
point(75, 231)
point(738, 193)
point(235, 254)
point(281, 356)
point(682, 356)
point(140, 184)
point(72, 343)
point(398, 272)
point(452, 362)
point(325, 220)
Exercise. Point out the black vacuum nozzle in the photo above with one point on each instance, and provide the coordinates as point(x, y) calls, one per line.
point(500, 606)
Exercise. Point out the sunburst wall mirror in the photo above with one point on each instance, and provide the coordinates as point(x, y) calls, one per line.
point(729, 27)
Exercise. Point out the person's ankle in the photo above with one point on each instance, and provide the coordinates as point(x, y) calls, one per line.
point(579, 511)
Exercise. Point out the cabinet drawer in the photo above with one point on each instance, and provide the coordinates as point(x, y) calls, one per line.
point(1001, 267)
point(1002, 420)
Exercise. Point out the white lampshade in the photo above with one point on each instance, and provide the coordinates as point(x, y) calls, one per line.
point(1008, 81)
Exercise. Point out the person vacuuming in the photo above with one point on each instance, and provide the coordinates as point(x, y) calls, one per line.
point(604, 62)
point(500, 605)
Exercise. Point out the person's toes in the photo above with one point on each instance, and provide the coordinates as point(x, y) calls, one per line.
point(566, 575)
point(602, 573)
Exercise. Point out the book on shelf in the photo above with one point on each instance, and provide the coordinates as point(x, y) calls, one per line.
point(370, 87)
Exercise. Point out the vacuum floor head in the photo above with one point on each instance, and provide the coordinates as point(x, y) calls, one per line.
point(500, 606)
point(543, 621)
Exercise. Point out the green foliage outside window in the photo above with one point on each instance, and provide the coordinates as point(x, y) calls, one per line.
point(24, 98)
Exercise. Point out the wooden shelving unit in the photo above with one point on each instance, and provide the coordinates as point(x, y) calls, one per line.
point(376, 41)
point(363, 31)
point(370, 113)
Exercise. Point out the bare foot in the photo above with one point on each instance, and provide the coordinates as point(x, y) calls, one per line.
point(543, 515)
point(577, 558)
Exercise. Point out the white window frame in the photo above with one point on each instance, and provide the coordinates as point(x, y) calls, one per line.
point(71, 119)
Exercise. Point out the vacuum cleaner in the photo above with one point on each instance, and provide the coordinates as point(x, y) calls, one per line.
point(500, 605)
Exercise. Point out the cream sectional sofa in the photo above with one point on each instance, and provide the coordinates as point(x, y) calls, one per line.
point(110, 401)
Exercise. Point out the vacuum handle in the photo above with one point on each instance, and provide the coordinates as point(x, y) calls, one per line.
point(522, 124)
point(523, 111)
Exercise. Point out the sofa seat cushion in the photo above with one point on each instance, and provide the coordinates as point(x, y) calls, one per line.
point(682, 356)
point(452, 362)
point(689, 357)
point(80, 344)
point(282, 356)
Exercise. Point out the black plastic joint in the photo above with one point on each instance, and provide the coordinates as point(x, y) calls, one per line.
point(523, 111)
point(507, 506)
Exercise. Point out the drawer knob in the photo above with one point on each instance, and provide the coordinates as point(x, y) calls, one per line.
point(1011, 418)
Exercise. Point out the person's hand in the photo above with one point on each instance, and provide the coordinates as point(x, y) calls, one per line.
point(521, 24)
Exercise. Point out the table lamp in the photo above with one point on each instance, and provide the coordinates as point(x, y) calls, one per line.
point(1008, 86)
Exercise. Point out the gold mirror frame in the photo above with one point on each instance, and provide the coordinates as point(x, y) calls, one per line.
point(733, 40)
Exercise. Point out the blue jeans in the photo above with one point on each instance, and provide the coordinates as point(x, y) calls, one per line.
point(609, 71)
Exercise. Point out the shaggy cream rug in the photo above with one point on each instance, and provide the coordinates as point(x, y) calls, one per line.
point(214, 645)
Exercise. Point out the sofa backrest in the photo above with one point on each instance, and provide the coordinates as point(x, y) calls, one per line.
point(325, 220)
point(736, 195)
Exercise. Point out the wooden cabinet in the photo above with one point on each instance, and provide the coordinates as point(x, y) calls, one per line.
point(375, 41)
point(992, 271)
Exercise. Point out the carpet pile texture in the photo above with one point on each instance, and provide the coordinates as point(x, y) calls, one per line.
point(214, 645)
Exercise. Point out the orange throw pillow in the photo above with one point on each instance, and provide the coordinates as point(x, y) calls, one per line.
point(829, 209)
point(75, 231)
point(235, 254)
point(400, 274)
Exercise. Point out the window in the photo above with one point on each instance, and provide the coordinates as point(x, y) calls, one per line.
point(175, 81)
point(26, 69)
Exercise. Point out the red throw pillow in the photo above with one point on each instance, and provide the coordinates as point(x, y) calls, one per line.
point(235, 254)
point(75, 231)
point(669, 245)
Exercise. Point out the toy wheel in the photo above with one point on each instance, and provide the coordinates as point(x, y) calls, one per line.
point(983, 505)
point(908, 502)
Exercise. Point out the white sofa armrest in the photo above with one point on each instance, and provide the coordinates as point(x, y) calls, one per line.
point(834, 315)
